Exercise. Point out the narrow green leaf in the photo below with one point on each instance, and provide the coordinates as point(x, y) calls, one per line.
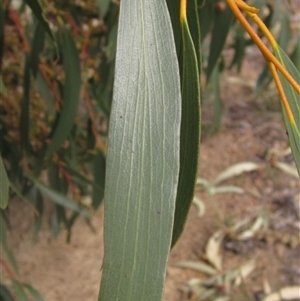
point(99, 178)
point(295, 57)
point(189, 132)
point(218, 104)
point(37, 296)
point(19, 291)
point(223, 20)
point(80, 179)
point(37, 47)
point(143, 155)
point(5, 295)
point(25, 109)
point(240, 44)
point(7, 250)
point(103, 7)
point(55, 224)
point(192, 15)
point(43, 88)
point(294, 102)
point(59, 198)
point(2, 86)
point(71, 92)
point(194, 29)
point(2, 32)
point(4, 186)
point(285, 33)
point(38, 217)
point(38, 13)
point(206, 11)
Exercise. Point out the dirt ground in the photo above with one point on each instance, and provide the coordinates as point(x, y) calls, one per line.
point(251, 126)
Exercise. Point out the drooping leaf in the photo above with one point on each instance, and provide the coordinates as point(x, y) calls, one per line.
point(194, 29)
point(284, 36)
point(2, 86)
point(239, 48)
point(8, 252)
point(295, 56)
point(293, 126)
point(37, 296)
point(59, 198)
point(103, 7)
point(5, 295)
point(44, 90)
point(38, 217)
point(99, 178)
point(190, 130)
point(143, 155)
point(218, 103)
point(2, 32)
point(38, 13)
point(37, 47)
point(4, 186)
point(71, 92)
point(206, 10)
point(19, 291)
point(25, 109)
point(222, 22)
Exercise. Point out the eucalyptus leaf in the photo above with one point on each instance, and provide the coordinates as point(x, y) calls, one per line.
point(8, 252)
point(190, 128)
point(5, 294)
point(4, 186)
point(293, 127)
point(2, 86)
point(59, 198)
point(25, 108)
point(37, 296)
point(143, 155)
point(39, 14)
point(19, 291)
point(222, 22)
point(71, 92)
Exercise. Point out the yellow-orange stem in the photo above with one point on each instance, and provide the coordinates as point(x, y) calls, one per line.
point(282, 94)
point(183, 10)
point(263, 28)
point(269, 56)
point(244, 6)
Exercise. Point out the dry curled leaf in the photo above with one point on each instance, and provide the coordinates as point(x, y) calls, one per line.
point(284, 294)
point(212, 250)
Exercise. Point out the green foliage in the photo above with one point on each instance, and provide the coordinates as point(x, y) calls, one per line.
point(54, 114)
point(293, 127)
point(143, 155)
point(57, 72)
point(57, 69)
point(190, 121)
point(4, 186)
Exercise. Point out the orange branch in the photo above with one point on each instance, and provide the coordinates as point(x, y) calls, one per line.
point(269, 56)
point(282, 93)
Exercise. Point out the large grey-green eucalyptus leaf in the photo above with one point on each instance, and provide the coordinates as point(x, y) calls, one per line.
point(143, 155)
